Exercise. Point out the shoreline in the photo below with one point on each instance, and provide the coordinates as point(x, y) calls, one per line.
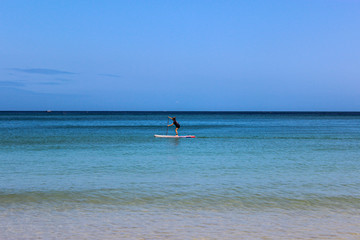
point(150, 223)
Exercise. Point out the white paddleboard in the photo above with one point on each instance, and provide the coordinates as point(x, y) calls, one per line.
point(172, 136)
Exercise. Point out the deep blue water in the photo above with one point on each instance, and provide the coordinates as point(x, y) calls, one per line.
point(247, 162)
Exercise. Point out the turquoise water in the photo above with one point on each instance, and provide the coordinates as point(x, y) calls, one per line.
point(245, 175)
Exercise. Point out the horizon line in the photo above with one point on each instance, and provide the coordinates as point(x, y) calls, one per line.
point(209, 111)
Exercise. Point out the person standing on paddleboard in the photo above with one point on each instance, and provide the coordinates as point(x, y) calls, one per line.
point(177, 125)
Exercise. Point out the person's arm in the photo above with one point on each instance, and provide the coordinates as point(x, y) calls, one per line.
point(171, 119)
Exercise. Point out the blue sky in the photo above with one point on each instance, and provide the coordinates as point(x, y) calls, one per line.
point(301, 55)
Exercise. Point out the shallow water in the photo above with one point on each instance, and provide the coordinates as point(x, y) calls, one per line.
point(85, 175)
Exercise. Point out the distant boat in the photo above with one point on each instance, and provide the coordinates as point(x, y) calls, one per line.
point(48, 111)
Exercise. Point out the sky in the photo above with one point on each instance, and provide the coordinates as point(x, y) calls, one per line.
point(243, 55)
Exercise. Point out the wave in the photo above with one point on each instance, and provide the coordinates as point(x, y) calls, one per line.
point(178, 200)
point(88, 137)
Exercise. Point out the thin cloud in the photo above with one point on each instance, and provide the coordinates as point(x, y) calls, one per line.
point(63, 80)
point(110, 75)
point(11, 84)
point(45, 71)
point(18, 83)
point(50, 83)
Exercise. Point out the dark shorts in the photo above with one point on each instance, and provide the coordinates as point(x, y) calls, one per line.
point(177, 125)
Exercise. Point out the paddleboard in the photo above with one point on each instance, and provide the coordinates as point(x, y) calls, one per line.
point(173, 136)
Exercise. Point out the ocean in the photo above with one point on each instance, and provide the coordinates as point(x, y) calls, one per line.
point(246, 175)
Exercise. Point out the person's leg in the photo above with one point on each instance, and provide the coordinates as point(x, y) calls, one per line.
point(176, 131)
